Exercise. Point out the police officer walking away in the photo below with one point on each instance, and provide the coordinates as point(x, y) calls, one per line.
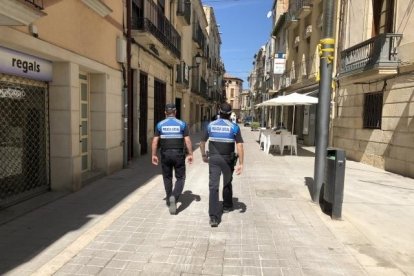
point(222, 135)
point(173, 137)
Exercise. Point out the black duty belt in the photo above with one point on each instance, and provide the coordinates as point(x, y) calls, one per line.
point(214, 154)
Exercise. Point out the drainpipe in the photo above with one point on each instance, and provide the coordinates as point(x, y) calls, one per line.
point(125, 117)
point(128, 95)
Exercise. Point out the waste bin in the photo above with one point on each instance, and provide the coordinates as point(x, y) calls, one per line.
point(334, 181)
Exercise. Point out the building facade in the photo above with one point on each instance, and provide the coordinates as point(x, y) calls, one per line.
point(72, 110)
point(375, 93)
point(245, 104)
point(257, 85)
point(215, 65)
point(302, 25)
point(61, 98)
point(233, 90)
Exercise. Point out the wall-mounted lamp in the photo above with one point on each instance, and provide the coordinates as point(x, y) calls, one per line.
point(198, 59)
point(33, 30)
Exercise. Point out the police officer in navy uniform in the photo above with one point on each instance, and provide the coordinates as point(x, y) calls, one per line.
point(222, 135)
point(172, 136)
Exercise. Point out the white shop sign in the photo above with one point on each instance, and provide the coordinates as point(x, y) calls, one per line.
point(19, 64)
point(279, 66)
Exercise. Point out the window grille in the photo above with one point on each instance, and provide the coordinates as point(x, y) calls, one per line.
point(373, 110)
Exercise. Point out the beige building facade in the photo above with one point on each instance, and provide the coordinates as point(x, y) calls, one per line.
point(215, 65)
point(199, 75)
point(245, 104)
point(257, 85)
point(303, 28)
point(89, 85)
point(155, 52)
point(176, 46)
point(61, 100)
point(234, 89)
point(375, 95)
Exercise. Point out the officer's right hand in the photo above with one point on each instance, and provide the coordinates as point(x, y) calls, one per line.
point(190, 159)
point(239, 169)
point(154, 160)
point(205, 159)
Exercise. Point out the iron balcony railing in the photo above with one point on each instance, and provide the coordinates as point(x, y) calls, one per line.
point(203, 88)
point(199, 85)
point(37, 3)
point(184, 9)
point(296, 5)
point(148, 16)
point(379, 51)
point(195, 83)
point(198, 36)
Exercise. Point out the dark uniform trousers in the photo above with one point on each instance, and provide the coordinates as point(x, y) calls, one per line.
point(173, 159)
point(220, 164)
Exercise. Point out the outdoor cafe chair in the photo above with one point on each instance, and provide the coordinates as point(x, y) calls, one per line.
point(290, 141)
point(263, 138)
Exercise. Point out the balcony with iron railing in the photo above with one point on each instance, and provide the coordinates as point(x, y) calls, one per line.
point(184, 11)
point(149, 22)
point(36, 3)
point(204, 88)
point(300, 8)
point(198, 36)
point(20, 13)
point(195, 81)
point(378, 54)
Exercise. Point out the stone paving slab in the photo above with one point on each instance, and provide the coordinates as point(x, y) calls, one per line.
point(275, 228)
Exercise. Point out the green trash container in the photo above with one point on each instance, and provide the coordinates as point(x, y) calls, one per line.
point(334, 182)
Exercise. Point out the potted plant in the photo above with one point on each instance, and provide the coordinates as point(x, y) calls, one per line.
point(254, 126)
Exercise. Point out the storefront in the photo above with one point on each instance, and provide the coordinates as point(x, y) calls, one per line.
point(24, 126)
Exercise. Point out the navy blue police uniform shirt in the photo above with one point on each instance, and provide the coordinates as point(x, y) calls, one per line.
point(222, 134)
point(171, 132)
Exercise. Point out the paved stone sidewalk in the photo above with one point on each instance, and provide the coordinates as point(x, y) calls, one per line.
point(275, 228)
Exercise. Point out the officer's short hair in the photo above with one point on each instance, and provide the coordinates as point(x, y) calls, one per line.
point(225, 109)
point(170, 108)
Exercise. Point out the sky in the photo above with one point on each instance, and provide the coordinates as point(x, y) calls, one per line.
point(244, 28)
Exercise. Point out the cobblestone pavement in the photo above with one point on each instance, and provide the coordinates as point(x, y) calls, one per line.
point(120, 225)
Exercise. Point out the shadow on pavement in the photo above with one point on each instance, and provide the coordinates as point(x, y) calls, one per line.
point(186, 199)
point(25, 237)
point(325, 206)
point(238, 205)
point(309, 182)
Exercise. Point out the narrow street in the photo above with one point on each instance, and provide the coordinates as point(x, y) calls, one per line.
point(120, 225)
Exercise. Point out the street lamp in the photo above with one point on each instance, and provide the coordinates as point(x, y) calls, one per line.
point(198, 59)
